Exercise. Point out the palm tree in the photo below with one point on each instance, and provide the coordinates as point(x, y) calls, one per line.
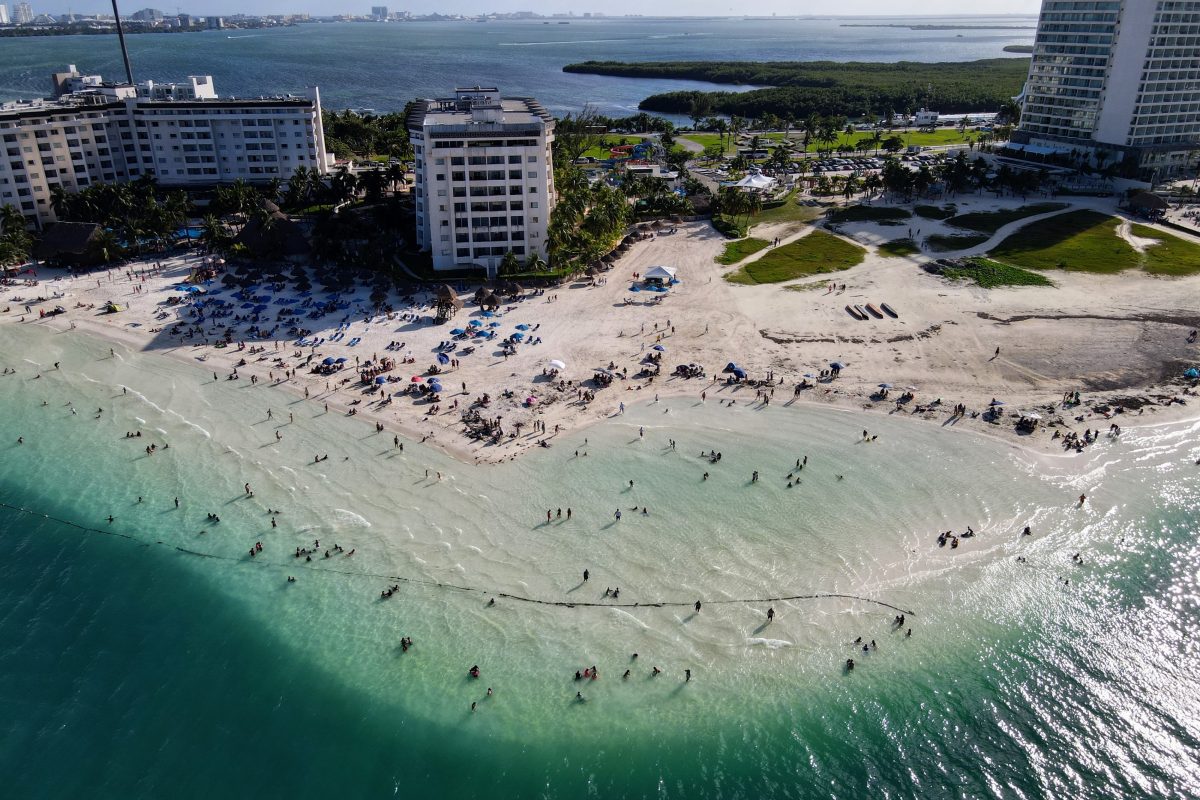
point(395, 175)
point(535, 262)
point(509, 263)
point(105, 246)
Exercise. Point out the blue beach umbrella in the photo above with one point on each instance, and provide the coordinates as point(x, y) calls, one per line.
point(1192, 373)
point(340, 360)
point(443, 358)
point(659, 348)
point(489, 313)
point(457, 332)
point(493, 324)
point(635, 288)
point(518, 336)
point(328, 360)
point(885, 386)
point(522, 327)
point(475, 323)
point(381, 379)
point(836, 365)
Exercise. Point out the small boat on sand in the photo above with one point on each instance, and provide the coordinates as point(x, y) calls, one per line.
point(888, 310)
point(875, 312)
point(862, 312)
point(852, 312)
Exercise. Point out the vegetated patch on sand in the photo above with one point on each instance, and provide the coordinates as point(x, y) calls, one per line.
point(816, 253)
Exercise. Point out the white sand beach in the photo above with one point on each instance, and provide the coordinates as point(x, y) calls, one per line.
point(1107, 336)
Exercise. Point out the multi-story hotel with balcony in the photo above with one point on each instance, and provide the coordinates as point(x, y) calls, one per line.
point(182, 134)
point(484, 177)
point(1120, 77)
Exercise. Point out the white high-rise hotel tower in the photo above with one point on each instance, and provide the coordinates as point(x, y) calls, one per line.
point(485, 177)
point(1120, 77)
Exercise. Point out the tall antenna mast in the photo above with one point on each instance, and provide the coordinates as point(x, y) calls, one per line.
point(121, 37)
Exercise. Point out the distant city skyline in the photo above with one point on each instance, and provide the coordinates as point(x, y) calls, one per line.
point(619, 7)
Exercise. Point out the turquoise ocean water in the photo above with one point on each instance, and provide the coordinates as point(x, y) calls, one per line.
point(153, 657)
point(384, 66)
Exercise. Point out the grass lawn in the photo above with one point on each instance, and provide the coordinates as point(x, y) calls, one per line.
point(1083, 241)
point(608, 141)
point(898, 247)
point(706, 139)
point(811, 286)
point(992, 221)
point(788, 211)
point(814, 254)
point(989, 274)
point(868, 214)
point(941, 243)
point(1171, 256)
point(936, 212)
point(741, 249)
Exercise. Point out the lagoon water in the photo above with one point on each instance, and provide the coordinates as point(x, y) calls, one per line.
point(154, 657)
point(360, 65)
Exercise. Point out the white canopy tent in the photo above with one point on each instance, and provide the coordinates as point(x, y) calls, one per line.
point(755, 181)
point(660, 273)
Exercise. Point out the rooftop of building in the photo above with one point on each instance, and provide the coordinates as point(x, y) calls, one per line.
point(481, 106)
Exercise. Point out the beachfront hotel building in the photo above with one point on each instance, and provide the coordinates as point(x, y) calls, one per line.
point(1117, 77)
point(182, 134)
point(484, 177)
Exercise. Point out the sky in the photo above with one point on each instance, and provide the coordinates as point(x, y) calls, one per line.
point(611, 7)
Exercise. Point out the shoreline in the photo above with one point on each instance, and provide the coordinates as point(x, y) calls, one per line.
point(941, 344)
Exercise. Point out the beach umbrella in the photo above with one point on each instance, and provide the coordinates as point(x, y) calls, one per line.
point(457, 332)
point(328, 361)
point(885, 386)
point(475, 323)
point(493, 324)
point(837, 365)
point(381, 379)
point(518, 336)
point(557, 364)
point(996, 403)
point(1033, 415)
point(659, 348)
point(635, 288)
point(1192, 373)
point(489, 313)
point(810, 375)
point(341, 360)
point(443, 358)
point(522, 327)
point(435, 387)
point(416, 379)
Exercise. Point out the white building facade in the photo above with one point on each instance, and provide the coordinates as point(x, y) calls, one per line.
point(484, 178)
point(109, 134)
point(1120, 77)
point(3, 14)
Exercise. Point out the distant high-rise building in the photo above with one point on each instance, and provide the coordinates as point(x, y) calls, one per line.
point(485, 184)
point(185, 20)
point(22, 14)
point(147, 15)
point(1117, 78)
point(3, 14)
point(379, 12)
point(215, 23)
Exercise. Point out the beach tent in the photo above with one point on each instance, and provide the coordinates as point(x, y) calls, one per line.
point(755, 182)
point(739, 373)
point(730, 367)
point(660, 274)
point(1192, 373)
point(443, 358)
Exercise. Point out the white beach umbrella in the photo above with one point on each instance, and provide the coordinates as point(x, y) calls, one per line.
point(557, 364)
